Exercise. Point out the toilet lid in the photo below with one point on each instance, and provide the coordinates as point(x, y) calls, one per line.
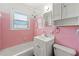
point(66, 49)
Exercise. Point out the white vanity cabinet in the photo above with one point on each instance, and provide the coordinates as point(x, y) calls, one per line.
point(43, 46)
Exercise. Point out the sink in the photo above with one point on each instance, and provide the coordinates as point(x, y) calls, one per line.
point(45, 37)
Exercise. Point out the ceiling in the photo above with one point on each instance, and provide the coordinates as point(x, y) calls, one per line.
point(37, 7)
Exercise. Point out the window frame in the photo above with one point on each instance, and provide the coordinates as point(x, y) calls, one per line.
point(12, 19)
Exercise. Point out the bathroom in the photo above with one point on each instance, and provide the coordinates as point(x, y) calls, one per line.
point(39, 29)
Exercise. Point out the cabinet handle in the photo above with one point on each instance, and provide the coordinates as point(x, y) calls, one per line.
point(38, 46)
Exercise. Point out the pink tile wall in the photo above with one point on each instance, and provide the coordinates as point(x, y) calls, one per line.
point(14, 37)
point(69, 37)
point(38, 31)
point(44, 30)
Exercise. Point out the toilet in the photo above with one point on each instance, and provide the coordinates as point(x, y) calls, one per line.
point(60, 50)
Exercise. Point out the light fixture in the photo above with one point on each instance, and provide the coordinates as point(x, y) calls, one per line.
point(0, 15)
point(47, 8)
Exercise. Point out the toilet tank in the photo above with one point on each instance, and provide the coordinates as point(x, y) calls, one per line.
point(60, 50)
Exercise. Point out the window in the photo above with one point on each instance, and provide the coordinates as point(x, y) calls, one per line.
point(20, 21)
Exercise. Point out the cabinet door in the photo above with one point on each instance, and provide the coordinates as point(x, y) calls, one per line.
point(70, 10)
point(65, 10)
point(56, 11)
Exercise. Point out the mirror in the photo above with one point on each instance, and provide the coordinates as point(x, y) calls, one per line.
point(48, 18)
